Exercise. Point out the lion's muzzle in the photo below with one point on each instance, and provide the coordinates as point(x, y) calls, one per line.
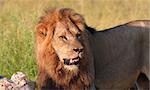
point(76, 60)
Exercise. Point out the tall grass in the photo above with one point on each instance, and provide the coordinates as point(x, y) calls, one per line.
point(19, 17)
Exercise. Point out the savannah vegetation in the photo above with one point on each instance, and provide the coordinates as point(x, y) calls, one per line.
point(18, 19)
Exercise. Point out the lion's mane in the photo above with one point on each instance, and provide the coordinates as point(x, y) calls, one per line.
point(49, 66)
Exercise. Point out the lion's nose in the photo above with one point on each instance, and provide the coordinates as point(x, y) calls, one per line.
point(78, 50)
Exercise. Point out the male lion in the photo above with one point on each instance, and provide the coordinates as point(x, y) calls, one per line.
point(67, 48)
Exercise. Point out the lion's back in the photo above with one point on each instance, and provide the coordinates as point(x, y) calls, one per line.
point(120, 52)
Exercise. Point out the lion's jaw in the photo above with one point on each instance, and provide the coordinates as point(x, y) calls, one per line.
point(73, 68)
point(71, 62)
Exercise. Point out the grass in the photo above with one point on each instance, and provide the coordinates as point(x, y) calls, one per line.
point(19, 17)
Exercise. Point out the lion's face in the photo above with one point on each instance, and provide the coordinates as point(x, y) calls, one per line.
point(60, 34)
point(67, 45)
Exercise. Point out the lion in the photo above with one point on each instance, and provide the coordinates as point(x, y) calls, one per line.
point(62, 51)
point(73, 56)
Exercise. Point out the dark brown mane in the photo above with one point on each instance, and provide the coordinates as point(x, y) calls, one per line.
point(49, 66)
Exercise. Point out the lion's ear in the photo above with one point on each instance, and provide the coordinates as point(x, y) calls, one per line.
point(42, 29)
point(79, 21)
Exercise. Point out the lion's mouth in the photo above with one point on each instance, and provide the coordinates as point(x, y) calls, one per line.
point(74, 61)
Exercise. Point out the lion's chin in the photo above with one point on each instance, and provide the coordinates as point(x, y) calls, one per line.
point(73, 68)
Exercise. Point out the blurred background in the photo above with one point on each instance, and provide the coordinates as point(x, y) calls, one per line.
point(19, 17)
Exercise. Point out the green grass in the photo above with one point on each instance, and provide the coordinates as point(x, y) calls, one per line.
point(19, 17)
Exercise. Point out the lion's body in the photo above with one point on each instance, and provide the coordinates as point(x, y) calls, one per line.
point(68, 55)
point(120, 55)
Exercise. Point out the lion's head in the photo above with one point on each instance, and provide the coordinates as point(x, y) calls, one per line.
point(61, 49)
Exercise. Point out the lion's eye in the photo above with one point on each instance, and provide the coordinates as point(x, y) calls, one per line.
point(63, 37)
point(44, 33)
point(78, 36)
